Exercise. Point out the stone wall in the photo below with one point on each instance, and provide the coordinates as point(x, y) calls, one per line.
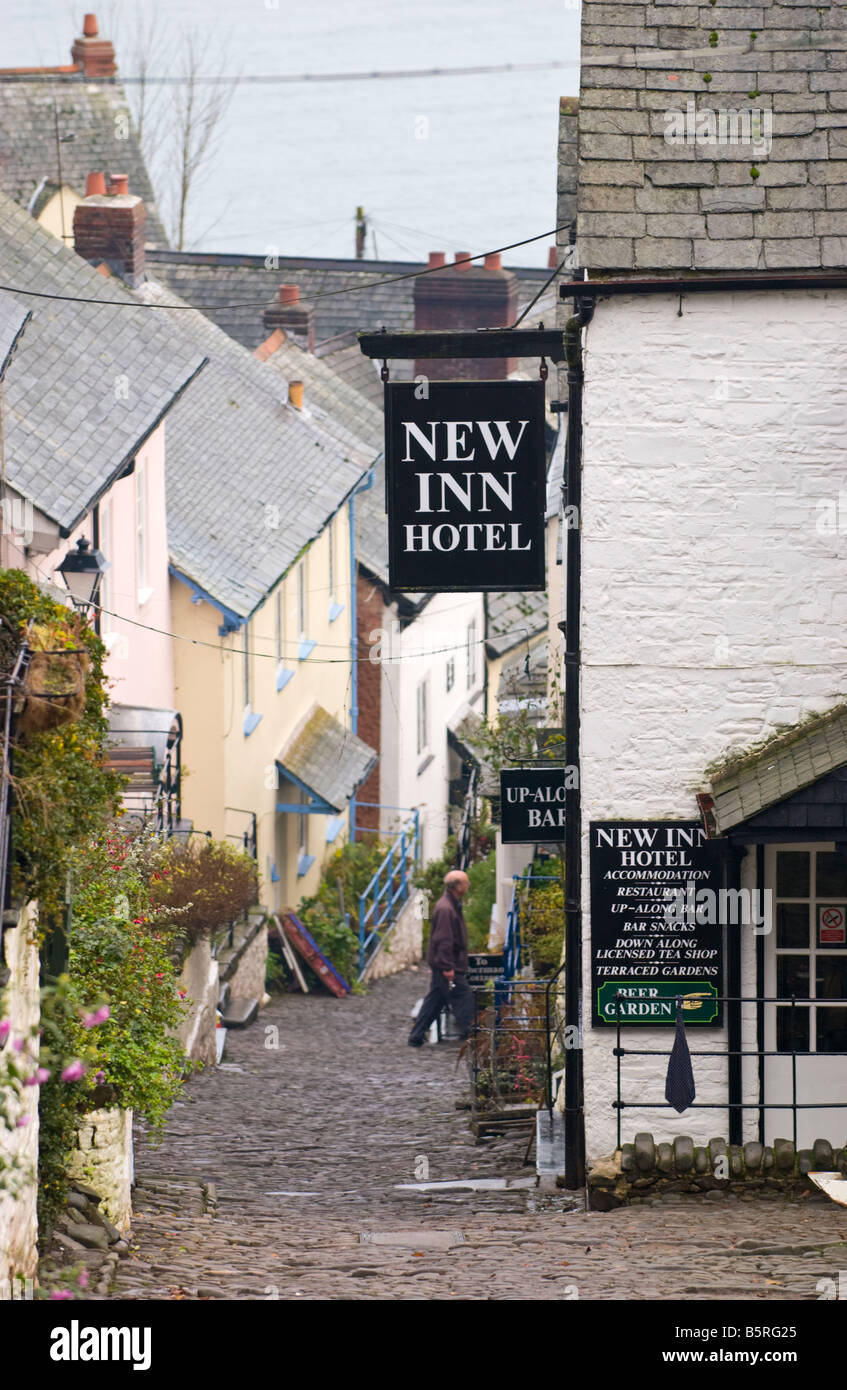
point(661, 188)
point(18, 1216)
point(103, 1159)
point(403, 947)
point(248, 979)
point(644, 1170)
point(199, 978)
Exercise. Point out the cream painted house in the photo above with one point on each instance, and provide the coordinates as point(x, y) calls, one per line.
point(261, 508)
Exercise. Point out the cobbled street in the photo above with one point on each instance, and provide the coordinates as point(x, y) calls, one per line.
point(281, 1176)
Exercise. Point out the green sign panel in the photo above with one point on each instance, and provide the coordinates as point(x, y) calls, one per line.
point(637, 1001)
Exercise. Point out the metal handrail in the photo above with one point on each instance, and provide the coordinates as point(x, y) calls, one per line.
point(732, 1105)
point(389, 887)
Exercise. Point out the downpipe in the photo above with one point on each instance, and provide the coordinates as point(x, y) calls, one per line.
point(574, 1117)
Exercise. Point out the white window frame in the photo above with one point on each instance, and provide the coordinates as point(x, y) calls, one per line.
point(422, 715)
point(471, 652)
point(141, 538)
point(451, 673)
point(302, 600)
point(246, 671)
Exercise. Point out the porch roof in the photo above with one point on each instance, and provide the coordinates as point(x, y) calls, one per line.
point(326, 760)
point(784, 765)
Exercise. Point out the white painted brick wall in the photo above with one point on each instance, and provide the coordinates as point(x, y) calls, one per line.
point(713, 607)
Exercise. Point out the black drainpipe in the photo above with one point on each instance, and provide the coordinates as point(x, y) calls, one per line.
point(574, 1125)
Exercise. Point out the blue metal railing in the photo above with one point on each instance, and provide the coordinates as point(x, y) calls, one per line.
point(388, 889)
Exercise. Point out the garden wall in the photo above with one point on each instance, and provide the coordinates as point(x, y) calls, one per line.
point(18, 1216)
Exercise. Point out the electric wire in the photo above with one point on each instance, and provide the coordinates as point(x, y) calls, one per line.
point(255, 304)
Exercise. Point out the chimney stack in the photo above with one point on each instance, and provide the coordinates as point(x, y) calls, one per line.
point(295, 394)
point(466, 296)
point(294, 318)
point(95, 56)
point(110, 227)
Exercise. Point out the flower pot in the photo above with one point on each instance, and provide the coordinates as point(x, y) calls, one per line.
point(53, 690)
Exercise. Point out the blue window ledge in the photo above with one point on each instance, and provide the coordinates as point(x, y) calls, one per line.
point(306, 646)
point(250, 722)
point(283, 676)
point(332, 828)
point(335, 611)
point(304, 864)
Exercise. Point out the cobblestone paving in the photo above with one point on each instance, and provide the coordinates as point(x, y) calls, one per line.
point(276, 1166)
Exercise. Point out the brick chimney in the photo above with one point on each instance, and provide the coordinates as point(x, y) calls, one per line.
point(466, 295)
point(110, 227)
point(296, 319)
point(95, 56)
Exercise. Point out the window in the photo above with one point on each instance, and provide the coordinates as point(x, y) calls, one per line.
point(302, 599)
point(811, 950)
point(331, 543)
point(451, 673)
point(106, 594)
point(423, 716)
point(283, 673)
point(279, 626)
point(246, 668)
point(471, 650)
point(305, 860)
point(141, 572)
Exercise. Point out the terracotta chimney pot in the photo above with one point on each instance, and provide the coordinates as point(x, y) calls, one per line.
point(462, 260)
point(94, 183)
point(437, 258)
point(552, 258)
point(89, 26)
point(492, 261)
point(118, 185)
point(295, 394)
point(289, 294)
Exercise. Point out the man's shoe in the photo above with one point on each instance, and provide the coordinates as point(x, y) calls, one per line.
point(412, 1043)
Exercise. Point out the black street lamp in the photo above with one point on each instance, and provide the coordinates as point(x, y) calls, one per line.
point(82, 570)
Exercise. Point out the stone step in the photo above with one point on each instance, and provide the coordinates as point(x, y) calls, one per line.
point(239, 1013)
point(549, 1143)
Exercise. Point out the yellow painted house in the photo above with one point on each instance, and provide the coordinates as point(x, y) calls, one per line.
point(261, 515)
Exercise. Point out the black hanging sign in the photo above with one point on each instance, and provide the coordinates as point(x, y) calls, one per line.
point(532, 806)
point(465, 484)
point(657, 909)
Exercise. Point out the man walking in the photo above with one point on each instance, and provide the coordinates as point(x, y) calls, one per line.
point(448, 960)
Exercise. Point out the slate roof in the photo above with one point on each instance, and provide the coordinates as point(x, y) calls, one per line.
point(13, 319)
point(514, 619)
point(783, 766)
point(327, 759)
point(69, 432)
point(236, 451)
point(93, 113)
point(233, 290)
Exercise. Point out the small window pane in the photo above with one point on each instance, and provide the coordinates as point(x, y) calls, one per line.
point(792, 1030)
point(792, 873)
point(792, 976)
point(832, 875)
point(831, 977)
point(792, 926)
point(831, 1025)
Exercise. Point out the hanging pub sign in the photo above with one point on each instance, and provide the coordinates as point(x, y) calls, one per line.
point(532, 806)
point(657, 915)
point(465, 484)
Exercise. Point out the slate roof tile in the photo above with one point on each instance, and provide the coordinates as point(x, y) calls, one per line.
point(66, 433)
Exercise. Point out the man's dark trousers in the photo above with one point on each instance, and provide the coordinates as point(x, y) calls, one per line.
point(460, 999)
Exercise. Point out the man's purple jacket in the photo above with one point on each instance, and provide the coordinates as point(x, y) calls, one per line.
point(448, 937)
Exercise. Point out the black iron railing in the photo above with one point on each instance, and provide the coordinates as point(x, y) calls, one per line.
point(734, 1107)
point(519, 1037)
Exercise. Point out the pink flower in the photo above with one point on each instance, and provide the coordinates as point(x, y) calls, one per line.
point(60, 1293)
point(100, 1077)
point(23, 1121)
point(73, 1072)
point(83, 1279)
point(5, 1025)
point(99, 1016)
point(18, 1044)
point(39, 1076)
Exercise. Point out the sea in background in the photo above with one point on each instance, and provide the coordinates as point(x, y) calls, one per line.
point(438, 163)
